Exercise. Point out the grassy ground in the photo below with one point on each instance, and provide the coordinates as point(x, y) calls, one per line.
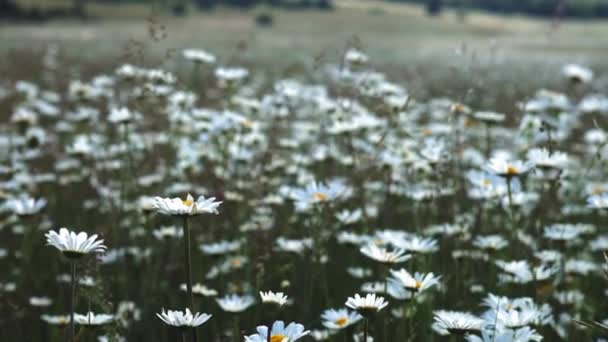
point(391, 33)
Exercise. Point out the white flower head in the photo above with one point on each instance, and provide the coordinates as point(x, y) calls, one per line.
point(508, 169)
point(418, 282)
point(183, 319)
point(367, 305)
point(93, 319)
point(270, 297)
point(339, 319)
point(235, 303)
point(74, 245)
point(25, 205)
point(188, 207)
point(279, 333)
point(382, 255)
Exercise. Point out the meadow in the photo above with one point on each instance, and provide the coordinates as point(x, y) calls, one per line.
point(364, 174)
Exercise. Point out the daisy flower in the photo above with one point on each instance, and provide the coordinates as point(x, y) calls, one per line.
point(508, 169)
point(188, 207)
point(366, 305)
point(340, 318)
point(26, 206)
point(74, 245)
point(183, 319)
point(383, 255)
point(279, 333)
point(316, 193)
point(93, 319)
point(542, 158)
point(199, 56)
point(454, 322)
point(270, 297)
point(577, 73)
point(598, 201)
point(418, 282)
point(235, 303)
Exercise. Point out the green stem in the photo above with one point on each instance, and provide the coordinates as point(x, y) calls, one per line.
point(72, 297)
point(189, 271)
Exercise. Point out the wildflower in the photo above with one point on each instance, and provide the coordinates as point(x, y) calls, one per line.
point(93, 319)
point(598, 201)
point(418, 283)
point(278, 333)
point(235, 303)
point(188, 207)
point(367, 305)
point(454, 322)
point(278, 298)
point(507, 169)
point(26, 206)
point(183, 319)
point(199, 56)
point(383, 255)
point(74, 245)
point(339, 319)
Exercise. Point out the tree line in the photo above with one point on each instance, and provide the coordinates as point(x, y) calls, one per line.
point(546, 8)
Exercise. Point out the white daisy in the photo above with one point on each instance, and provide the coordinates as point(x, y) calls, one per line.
point(74, 245)
point(188, 207)
point(183, 319)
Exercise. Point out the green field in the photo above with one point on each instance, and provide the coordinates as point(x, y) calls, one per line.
point(390, 33)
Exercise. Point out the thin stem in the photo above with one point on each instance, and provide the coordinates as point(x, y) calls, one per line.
point(509, 193)
point(72, 297)
point(365, 329)
point(183, 335)
point(236, 332)
point(189, 271)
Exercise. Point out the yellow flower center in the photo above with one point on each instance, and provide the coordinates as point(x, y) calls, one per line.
point(511, 171)
point(341, 321)
point(278, 338)
point(418, 285)
point(236, 262)
point(319, 196)
point(187, 202)
point(427, 132)
point(597, 190)
point(468, 123)
point(486, 182)
point(247, 123)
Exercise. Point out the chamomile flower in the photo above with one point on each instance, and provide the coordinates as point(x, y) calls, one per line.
point(367, 305)
point(199, 56)
point(26, 206)
point(340, 318)
point(598, 201)
point(279, 333)
point(235, 303)
point(316, 193)
point(74, 245)
point(56, 319)
point(270, 297)
point(188, 207)
point(454, 322)
point(542, 158)
point(382, 255)
point(577, 73)
point(93, 319)
point(507, 169)
point(418, 282)
point(183, 319)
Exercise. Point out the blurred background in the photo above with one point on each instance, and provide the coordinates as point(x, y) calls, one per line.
point(438, 47)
